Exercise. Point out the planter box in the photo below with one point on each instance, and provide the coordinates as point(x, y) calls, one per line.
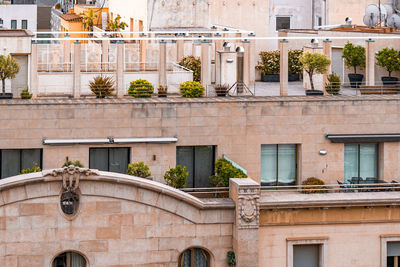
point(389, 80)
point(355, 80)
point(6, 96)
point(276, 77)
point(314, 92)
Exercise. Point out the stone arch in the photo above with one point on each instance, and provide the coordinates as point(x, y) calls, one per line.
point(87, 262)
point(210, 254)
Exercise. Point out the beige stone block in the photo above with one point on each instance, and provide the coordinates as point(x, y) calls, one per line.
point(2, 223)
point(31, 260)
point(131, 232)
point(30, 209)
point(14, 194)
point(108, 233)
point(158, 256)
point(208, 230)
point(120, 220)
point(10, 261)
point(93, 246)
point(108, 207)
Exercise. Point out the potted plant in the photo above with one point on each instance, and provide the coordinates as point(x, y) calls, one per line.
point(333, 85)
point(231, 258)
point(141, 89)
point(224, 170)
point(314, 63)
point(354, 56)
point(102, 86)
point(317, 189)
point(194, 64)
point(176, 177)
point(295, 65)
point(25, 94)
point(221, 89)
point(388, 58)
point(9, 68)
point(116, 25)
point(191, 89)
point(162, 91)
point(269, 66)
point(139, 169)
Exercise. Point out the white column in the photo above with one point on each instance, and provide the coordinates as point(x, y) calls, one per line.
point(162, 64)
point(370, 62)
point(120, 69)
point(327, 50)
point(34, 87)
point(77, 70)
point(205, 63)
point(284, 67)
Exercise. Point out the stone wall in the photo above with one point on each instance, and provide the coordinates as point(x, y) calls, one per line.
point(123, 221)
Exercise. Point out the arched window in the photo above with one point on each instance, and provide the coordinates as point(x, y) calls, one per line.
point(69, 259)
point(194, 257)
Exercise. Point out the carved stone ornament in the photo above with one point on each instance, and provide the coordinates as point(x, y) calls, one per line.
point(69, 199)
point(248, 209)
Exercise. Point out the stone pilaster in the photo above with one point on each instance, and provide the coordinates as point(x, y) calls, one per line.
point(120, 69)
point(218, 47)
point(327, 50)
point(34, 86)
point(162, 64)
point(284, 67)
point(252, 60)
point(205, 63)
point(67, 53)
point(180, 48)
point(76, 90)
point(105, 44)
point(246, 63)
point(142, 56)
point(245, 193)
point(370, 62)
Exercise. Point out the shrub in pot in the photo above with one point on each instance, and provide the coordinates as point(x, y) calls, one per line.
point(75, 163)
point(35, 168)
point(318, 189)
point(162, 91)
point(314, 63)
point(176, 177)
point(139, 169)
point(25, 94)
point(102, 86)
point(140, 89)
point(295, 65)
point(333, 85)
point(354, 56)
point(224, 170)
point(191, 89)
point(194, 64)
point(9, 68)
point(389, 59)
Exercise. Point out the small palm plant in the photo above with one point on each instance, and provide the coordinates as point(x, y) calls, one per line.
point(88, 20)
point(102, 86)
point(116, 25)
point(9, 68)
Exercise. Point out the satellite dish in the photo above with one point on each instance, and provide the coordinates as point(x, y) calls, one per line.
point(372, 12)
point(394, 21)
point(389, 10)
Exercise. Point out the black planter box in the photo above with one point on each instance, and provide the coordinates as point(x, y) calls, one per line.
point(355, 80)
point(389, 80)
point(276, 77)
point(314, 92)
point(6, 96)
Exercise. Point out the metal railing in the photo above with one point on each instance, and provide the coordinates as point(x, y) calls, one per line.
point(334, 188)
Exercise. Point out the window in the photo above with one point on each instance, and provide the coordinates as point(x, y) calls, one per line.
point(13, 161)
point(278, 164)
point(69, 259)
point(1, 23)
point(109, 159)
point(24, 24)
point(283, 23)
point(199, 162)
point(319, 21)
point(309, 252)
point(13, 24)
point(360, 160)
point(194, 257)
point(390, 251)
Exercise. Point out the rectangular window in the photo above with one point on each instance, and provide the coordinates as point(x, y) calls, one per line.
point(199, 162)
point(13, 24)
point(278, 164)
point(360, 161)
point(24, 24)
point(109, 159)
point(306, 255)
point(318, 21)
point(283, 23)
point(13, 161)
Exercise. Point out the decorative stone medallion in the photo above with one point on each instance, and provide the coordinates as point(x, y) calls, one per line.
point(248, 208)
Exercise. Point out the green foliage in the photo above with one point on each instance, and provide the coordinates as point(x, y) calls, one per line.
point(75, 163)
point(354, 56)
point(191, 89)
point(102, 86)
point(176, 177)
point(35, 168)
point(333, 85)
point(139, 169)
point(9, 68)
point(270, 61)
point(162, 90)
point(141, 89)
point(25, 94)
point(314, 189)
point(388, 58)
point(88, 19)
point(116, 25)
point(194, 64)
point(231, 258)
point(314, 63)
point(224, 170)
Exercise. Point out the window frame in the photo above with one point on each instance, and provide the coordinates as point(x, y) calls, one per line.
point(378, 153)
point(16, 24)
point(40, 164)
point(321, 241)
point(277, 163)
point(22, 24)
point(192, 249)
point(282, 16)
point(214, 148)
point(68, 255)
point(108, 155)
point(384, 240)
